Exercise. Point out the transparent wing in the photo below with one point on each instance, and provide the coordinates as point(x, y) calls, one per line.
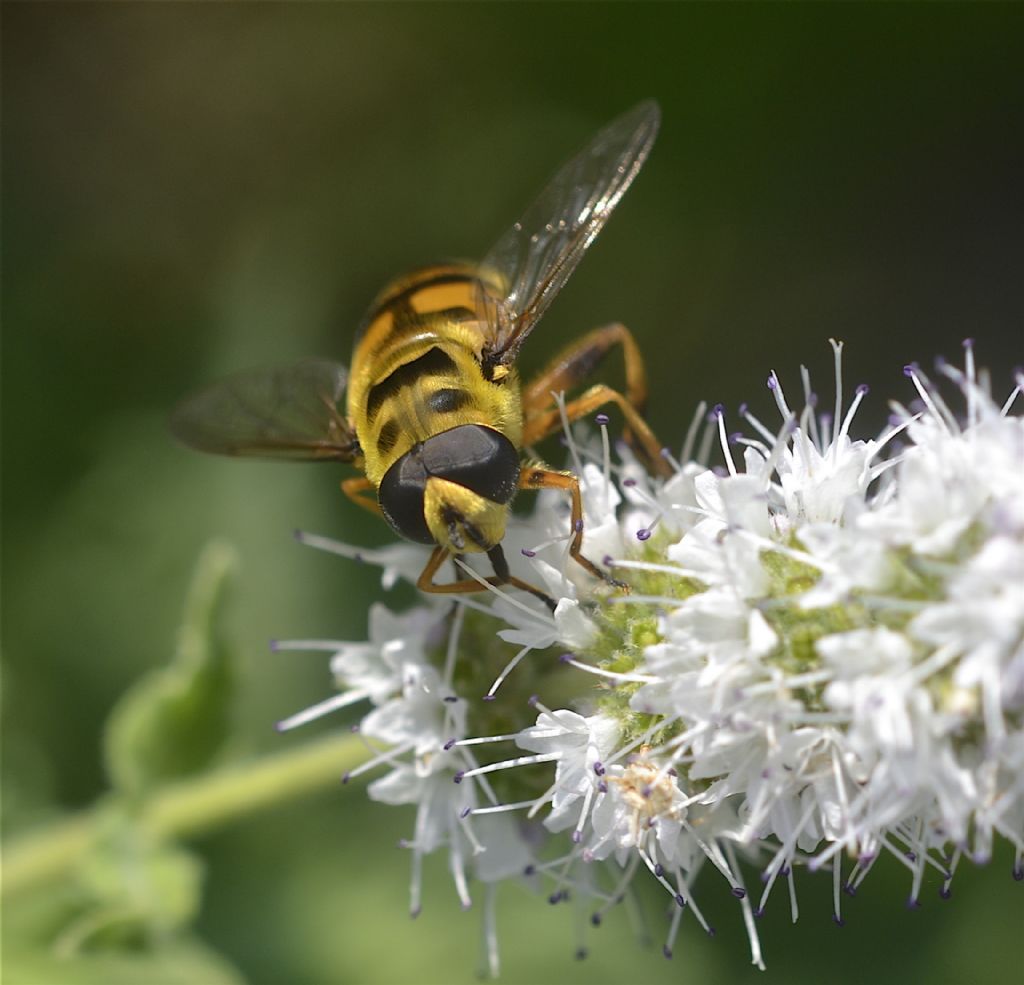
point(534, 259)
point(291, 412)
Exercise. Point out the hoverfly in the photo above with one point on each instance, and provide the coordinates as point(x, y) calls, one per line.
point(435, 416)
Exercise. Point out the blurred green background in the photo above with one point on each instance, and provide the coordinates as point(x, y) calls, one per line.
point(192, 189)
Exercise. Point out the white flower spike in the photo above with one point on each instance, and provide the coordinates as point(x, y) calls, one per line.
point(821, 661)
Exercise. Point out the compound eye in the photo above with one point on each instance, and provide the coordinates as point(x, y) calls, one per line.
point(401, 498)
point(477, 457)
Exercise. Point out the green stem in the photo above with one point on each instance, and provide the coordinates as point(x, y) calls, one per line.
point(187, 808)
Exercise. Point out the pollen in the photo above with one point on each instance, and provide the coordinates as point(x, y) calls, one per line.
point(647, 789)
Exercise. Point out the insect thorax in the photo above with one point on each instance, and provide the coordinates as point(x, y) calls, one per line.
point(417, 369)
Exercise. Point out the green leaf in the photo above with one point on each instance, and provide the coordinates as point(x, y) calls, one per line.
point(136, 886)
point(171, 723)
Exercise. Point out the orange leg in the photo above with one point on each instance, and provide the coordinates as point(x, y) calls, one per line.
point(536, 477)
point(354, 489)
point(541, 425)
point(426, 583)
point(570, 368)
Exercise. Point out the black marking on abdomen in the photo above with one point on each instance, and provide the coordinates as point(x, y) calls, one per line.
point(401, 301)
point(433, 362)
point(448, 399)
point(438, 280)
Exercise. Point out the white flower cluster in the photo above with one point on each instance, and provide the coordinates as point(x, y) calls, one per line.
point(821, 661)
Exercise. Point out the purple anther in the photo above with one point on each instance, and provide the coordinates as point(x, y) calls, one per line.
point(739, 892)
point(529, 870)
point(666, 951)
point(812, 400)
point(773, 381)
point(1018, 873)
point(968, 343)
point(602, 420)
point(643, 534)
point(595, 919)
point(850, 889)
point(913, 903)
point(489, 697)
point(863, 389)
point(759, 912)
point(718, 411)
point(578, 525)
point(629, 483)
point(273, 646)
point(602, 787)
point(665, 452)
point(608, 561)
point(580, 954)
point(910, 369)
point(838, 920)
point(659, 869)
point(450, 699)
point(735, 438)
point(566, 657)
point(680, 900)
point(577, 836)
point(345, 777)
point(598, 768)
point(945, 892)
point(526, 552)
point(743, 408)
point(532, 700)
point(465, 812)
point(449, 745)
point(460, 776)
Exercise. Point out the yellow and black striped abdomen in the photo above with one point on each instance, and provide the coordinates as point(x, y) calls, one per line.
point(416, 369)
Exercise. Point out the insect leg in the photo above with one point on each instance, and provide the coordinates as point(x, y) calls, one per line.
point(540, 425)
point(354, 489)
point(535, 478)
point(426, 583)
point(577, 362)
point(570, 368)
